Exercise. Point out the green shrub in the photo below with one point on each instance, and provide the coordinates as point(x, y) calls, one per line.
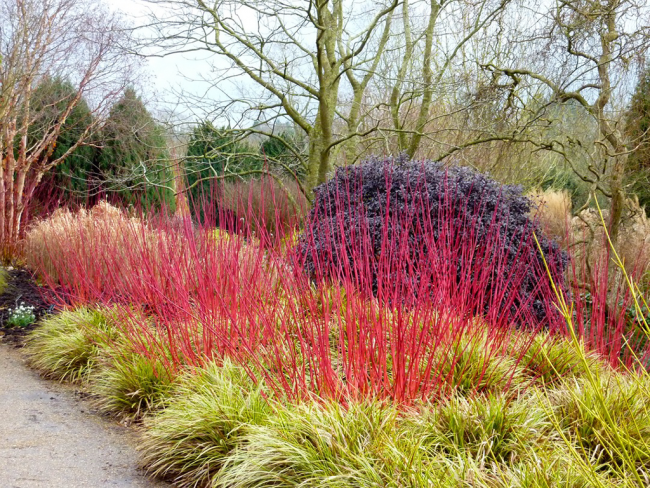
point(207, 414)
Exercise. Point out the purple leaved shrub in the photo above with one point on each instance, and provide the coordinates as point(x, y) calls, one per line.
point(414, 231)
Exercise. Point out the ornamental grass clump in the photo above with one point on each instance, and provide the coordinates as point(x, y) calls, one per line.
point(472, 362)
point(207, 415)
point(607, 422)
point(315, 445)
point(548, 359)
point(135, 372)
point(104, 254)
point(65, 346)
point(4, 279)
point(487, 429)
point(83, 237)
point(128, 384)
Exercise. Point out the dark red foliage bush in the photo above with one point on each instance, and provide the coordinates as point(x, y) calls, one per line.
point(402, 228)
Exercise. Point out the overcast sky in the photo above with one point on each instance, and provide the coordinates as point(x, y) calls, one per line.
point(160, 69)
point(163, 77)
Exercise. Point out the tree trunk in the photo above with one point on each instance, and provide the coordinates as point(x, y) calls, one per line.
point(618, 198)
point(315, 149)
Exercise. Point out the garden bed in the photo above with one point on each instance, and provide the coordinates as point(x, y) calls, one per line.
point(21, 288)
point(246, 371)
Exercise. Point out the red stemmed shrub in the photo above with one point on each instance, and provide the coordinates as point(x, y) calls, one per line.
point(427, 303)
point(605, 315)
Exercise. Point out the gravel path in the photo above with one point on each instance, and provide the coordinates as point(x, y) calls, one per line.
point(49, 439)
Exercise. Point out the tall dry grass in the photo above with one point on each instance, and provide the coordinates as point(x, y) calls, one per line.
point(591, 250)
point(102, 227)
point(553, 212)
point(603, 304)
point(99, 243)
point(585, 232)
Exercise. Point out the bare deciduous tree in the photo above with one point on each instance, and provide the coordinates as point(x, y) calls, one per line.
point(586, 51)
point(432, 61)
point(304, 56)
point(76, 41)
point(333, 68)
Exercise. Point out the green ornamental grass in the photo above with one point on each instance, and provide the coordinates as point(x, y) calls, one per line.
point(609, 422)
point(485, 428)
point(207, 414)
point(548, 359)
point(66, 345)
point(315, 445)
point(4, 279)
point(470, 364)
point(128, 385)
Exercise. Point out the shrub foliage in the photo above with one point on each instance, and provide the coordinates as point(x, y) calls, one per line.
point(403, 227)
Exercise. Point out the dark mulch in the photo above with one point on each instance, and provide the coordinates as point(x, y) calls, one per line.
point(21, 287)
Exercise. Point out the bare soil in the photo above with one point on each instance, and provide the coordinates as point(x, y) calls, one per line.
point(22, 289)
